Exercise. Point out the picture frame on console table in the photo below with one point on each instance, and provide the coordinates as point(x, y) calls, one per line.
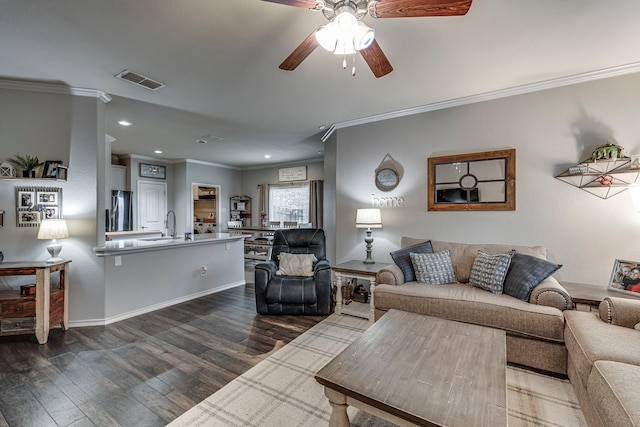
point(625, 277)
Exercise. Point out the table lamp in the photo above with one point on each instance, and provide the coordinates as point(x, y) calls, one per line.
point(368, 218)
point(53, 229)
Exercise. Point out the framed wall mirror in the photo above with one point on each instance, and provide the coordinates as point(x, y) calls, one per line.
point(472, 182)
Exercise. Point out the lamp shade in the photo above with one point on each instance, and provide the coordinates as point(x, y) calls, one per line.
point(368, 218)
point(53, 229)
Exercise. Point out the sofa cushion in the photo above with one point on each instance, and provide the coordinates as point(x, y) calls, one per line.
point(589, 339)
point(488, 271)
point(403, 260)
point(525, 273)
point(463, 254)
point(466, 303)
point(295, 264)
point(613, 392)
point(434, 268)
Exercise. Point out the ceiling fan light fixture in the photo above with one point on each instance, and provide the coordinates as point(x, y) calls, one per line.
point(346, 22)
point(364, 36)
point(327, 37)
point(344, 47)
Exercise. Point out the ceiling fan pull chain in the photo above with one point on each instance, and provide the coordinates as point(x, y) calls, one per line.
point(353, 69)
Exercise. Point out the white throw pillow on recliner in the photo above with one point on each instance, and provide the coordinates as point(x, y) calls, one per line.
point(295, 264)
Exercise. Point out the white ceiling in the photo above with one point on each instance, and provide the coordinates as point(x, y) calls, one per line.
point(219, 60)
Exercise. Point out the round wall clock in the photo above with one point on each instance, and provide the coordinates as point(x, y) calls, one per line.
point(387, 179)
point(388, 174)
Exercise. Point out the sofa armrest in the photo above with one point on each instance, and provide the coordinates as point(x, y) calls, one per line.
point(551, 293)
point(620, 311)
point(390, 275)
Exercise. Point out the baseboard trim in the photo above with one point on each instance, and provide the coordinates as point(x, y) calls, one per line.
point(150, 308)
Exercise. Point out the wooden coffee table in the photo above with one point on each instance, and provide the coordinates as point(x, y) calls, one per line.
point(419, 370)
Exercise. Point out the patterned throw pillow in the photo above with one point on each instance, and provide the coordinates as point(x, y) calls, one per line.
point(435, 268)
point(525, 273)
point(489, 271)
point(403, 260)
point(295, 264)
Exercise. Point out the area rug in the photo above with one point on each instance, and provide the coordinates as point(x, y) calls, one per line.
point(281, 390)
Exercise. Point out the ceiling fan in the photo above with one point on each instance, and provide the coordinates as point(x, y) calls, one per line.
point(346, 33)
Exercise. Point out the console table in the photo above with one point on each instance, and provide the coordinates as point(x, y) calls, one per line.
point(23, 314)
point(356, 270)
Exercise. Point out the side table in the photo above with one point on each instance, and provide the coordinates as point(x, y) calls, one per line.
point(356, 270)
point(588, 297)
point(22, 314)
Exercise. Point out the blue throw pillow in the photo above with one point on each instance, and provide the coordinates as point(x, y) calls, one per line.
point(525, 273)
point(403, 260)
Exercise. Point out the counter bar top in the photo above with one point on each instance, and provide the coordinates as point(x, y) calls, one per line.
point(130, 246)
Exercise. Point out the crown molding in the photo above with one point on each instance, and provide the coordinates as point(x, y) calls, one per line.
point(54, 88)
point(203, 162)
point(488, 96)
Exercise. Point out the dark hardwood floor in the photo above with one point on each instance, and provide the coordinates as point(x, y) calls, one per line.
point(143, 371)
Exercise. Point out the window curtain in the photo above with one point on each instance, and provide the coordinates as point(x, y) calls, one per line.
point(316, 204)
point(264, 200)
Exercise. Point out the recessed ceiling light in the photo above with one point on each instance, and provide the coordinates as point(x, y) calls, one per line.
point(322, 127)
point(267, 156)
point(124, 123)
point(158, 151)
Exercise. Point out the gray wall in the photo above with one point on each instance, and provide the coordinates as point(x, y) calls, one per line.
point(254, 177)
point(550, 130)
point(58, 126)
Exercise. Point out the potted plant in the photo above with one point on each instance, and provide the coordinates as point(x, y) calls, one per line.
point(28, 164)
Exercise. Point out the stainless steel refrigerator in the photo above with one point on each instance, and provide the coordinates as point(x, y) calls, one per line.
point(121, 218)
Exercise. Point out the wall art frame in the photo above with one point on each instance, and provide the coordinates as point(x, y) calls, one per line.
point(482, 181)
point(625, 277)
point(46, 202)
point(153, 171)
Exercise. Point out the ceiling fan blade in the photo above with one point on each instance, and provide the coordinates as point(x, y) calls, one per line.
point(307, 4)
point(418, 8)
point(376, 59)
point(300, 53)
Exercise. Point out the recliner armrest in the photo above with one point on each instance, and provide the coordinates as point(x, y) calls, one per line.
point(551, 293)
point(390, 275)
point(620, 311)
point(321, 265)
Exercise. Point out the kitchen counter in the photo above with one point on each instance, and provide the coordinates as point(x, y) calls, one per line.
point(147, 244)
point(147, 274)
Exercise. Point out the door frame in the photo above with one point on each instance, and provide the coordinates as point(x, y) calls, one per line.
point(190, 207)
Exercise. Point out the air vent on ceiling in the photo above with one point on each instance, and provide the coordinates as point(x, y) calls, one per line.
point(139, 80)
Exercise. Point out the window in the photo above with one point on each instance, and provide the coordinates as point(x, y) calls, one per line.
point(289, 202)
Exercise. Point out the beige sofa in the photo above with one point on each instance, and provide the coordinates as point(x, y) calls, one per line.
point(604, 362)
point(535, 329)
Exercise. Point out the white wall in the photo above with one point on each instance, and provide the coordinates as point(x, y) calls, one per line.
point(550, 131)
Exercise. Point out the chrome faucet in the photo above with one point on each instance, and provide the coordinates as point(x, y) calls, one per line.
point(172, 228)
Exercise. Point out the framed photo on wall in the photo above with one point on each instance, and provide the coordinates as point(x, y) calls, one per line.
point(29, 218)
point(26, 199)
point(625, 277)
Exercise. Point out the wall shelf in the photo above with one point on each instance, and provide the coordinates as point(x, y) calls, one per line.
point(620, 170)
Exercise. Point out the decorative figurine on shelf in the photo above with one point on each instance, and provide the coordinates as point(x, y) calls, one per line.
point(608, 151)
point(7, 171)
point(28, 164)
point(606, 180)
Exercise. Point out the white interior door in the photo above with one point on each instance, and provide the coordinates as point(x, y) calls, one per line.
point(152, 205)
